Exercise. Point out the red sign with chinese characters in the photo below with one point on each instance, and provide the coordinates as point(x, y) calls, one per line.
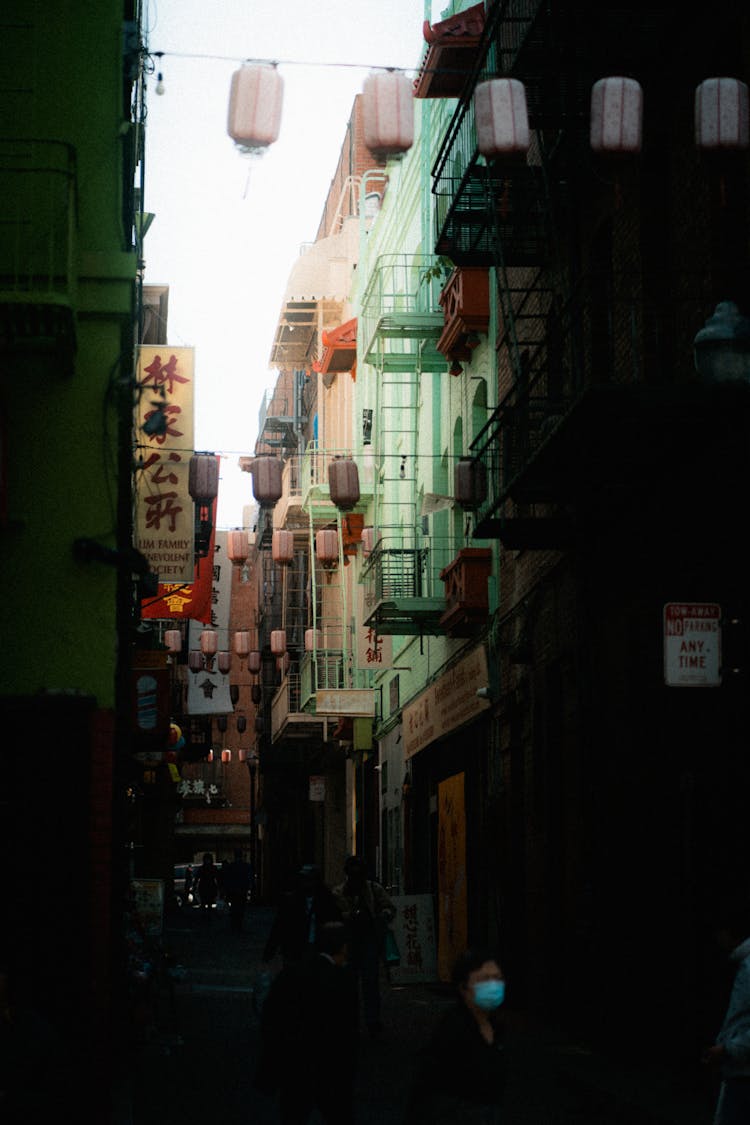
point(184, 602)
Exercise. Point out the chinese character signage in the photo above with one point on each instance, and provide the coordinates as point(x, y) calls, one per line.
point(447, 703)
point(373, 651)
point(164, 523)
point(182, 602)
point(414, 929)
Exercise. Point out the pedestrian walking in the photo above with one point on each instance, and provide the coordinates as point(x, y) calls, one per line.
point(730, 1054)
point(367, 912)
point(237, 881)
point(208, 884)
point(309, 1048)
point(188, 884)
point(460, 1075)
point(301, 913)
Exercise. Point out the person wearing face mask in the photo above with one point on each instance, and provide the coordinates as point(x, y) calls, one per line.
point(460, 1076)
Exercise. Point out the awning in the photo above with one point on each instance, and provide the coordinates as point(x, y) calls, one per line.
point(450, 53)
point(339, 351)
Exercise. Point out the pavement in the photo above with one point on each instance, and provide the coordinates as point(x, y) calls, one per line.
point(192, 1058)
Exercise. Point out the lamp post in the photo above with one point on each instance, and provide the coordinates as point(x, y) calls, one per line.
point(722, 346)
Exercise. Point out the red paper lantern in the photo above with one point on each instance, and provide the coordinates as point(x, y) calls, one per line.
point(327, 547)
point(238, 546)
point(343, 481)
point(282, 547)
point(267, 479)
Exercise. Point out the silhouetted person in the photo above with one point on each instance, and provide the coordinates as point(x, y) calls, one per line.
point(460, 1075)
point(208, 884)
point(367, 910)
point(309, 1040)
point(731, 1051)
point(300, 915)
point(237, 881)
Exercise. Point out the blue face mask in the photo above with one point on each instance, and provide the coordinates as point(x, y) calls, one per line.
point(489, 994)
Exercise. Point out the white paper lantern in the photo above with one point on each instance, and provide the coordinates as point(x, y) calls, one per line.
point(327, 547)
point(278, 642)
point(242, 643)
point(313, 640)
point(721, 114)
point(209, 642)
point(388, 113)
point(616, 115)
point(501, 117)
point(282, 547)
point(256, 96)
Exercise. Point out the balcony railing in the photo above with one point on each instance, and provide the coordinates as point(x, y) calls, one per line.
point(479, 205)
point(602, 349)
point(37, 249)
point(403, 591)
point(401, 316)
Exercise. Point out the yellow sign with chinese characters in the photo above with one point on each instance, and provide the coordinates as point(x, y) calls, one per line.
point(447, 703)
point(164, 522)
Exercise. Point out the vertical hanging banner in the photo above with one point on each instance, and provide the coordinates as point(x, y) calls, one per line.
point(208, 689)
point(164, 522)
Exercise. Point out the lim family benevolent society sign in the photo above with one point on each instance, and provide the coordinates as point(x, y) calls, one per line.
point(692, 644)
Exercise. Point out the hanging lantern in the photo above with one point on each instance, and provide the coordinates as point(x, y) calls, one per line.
point(241, 723)
point(388, 113)
point(195, 660)
point(203, 477)
point(501, 117)
point(242, 643)
point(210, 755)
point(283, 663)
point(234, 693)
point(368, 540)
point(224, 661)
point(221, 723)
point(256, 693)
point(253, 662)
point(282, 547)
point(267, 474)
point(173, 640)
point(313, 640)
point(259, 724)
point(209, 641)
point(226, 756)
point(238, 546)
point(470, 483)
point(203, 485)
point(256, 95)
point(278, 642)
point(327, 547)
point(616, 115)
point(343, 481)
point(242, 755)
point(721, 114)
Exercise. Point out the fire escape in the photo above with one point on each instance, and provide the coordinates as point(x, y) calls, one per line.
point(402, 322)
point(589, 343)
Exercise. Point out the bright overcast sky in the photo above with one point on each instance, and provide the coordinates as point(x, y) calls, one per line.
point(228, 230)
